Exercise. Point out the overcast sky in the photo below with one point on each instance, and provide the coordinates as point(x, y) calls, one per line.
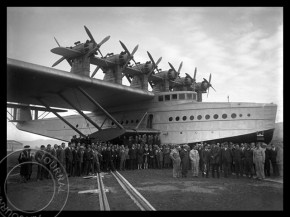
point(242, 47)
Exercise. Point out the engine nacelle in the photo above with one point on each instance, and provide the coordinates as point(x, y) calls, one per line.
point(170, 74)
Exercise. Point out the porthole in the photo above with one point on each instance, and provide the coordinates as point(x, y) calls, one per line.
point(113, 123)
point(184, 118)
point(127, 121)
point(132, 121)
point(137, 121)
point(249, 115)
point(224, 116)
point(207, 117)
point(177, 118)
point(241, 115)
point(170, 119)
point(122, 122)
point(88, 125)
point(77, 125)
point(234, 115)
point(191, 117)
point(199, 117)
point(216, 116)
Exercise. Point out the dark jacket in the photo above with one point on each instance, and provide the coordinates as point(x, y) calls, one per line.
point(226, 155)
point(237, 155)
point(248, 153)
point(68, 154)
point(273, 155)
point(205, 155)
point(215, 155)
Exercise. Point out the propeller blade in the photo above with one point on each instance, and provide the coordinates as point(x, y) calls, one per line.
point(124, 47)
point(194, 74)
point(158, 61)
point(59, 61)
point(172, 67)
point(90, 35)
point(134, 51)
point(97, 68)
point(207, 92)
point(212, 88)
point(56, 42)
point(150, 57)
point(209, 78)
point(187, 75)
point(180, 66)
point(103, 41)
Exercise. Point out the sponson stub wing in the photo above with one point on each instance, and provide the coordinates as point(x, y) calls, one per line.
point(27, 82)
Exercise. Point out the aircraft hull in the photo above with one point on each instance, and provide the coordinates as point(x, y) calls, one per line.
point(242, 121)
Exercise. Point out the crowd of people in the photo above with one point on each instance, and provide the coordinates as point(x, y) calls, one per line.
point(82, 158)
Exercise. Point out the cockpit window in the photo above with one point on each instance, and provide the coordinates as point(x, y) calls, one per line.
point(160, 98)
point(167, 97)
point(174, 96)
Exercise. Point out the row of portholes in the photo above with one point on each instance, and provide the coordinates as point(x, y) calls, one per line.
point(126, 122)
point(199, 117)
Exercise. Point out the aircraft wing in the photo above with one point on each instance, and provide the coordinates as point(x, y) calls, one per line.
point(66, 52)
point(26, 82)
point(101, 62)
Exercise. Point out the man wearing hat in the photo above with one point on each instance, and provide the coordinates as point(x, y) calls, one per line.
point(25, 168)
point(184, 156)
point(39, 155)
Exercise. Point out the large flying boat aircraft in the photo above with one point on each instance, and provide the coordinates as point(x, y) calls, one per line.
point(173, 109)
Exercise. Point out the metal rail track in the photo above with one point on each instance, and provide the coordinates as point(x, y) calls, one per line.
point(104, 204)
point(138, 199)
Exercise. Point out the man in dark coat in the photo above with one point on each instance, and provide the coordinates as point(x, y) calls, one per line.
point(273, 158)
point(206, 160)
point(215, 156)
point(108, 160)
point(133, 157)
point(184, 156)
point(68, 159)
point(237, 160)
point(39, 155)
point(248, 153)
point(226, 155)
point(23, 158)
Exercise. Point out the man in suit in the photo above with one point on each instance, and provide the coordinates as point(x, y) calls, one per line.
point(215, 160)
point(39, 155)
point(248, 153)
point(184, 156)
point(226, 156)
point(206, 160)
point(237, 160)
point(69, 159)
point(273, 159)
point(24, 157)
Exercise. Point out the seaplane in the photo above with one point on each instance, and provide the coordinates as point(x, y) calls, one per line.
point(107, 109)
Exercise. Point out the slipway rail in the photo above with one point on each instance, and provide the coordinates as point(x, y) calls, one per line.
point(138, 199)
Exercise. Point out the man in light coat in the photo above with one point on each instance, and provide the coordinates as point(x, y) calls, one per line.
point(259, 160)
point(174, 155)
point(194, 157)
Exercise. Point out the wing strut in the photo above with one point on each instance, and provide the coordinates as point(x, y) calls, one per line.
point(80, 112)
point(61, 118)
point(101, 108)
point(141, 121)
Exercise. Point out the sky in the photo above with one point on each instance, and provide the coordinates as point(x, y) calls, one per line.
point(241, 47)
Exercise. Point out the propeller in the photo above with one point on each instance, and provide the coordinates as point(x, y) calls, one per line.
point(155, 65)
point(179, 69)
point(61, 59)
point(209, 84)
point(96, 46)
point(130, 54)
point(95, 71)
